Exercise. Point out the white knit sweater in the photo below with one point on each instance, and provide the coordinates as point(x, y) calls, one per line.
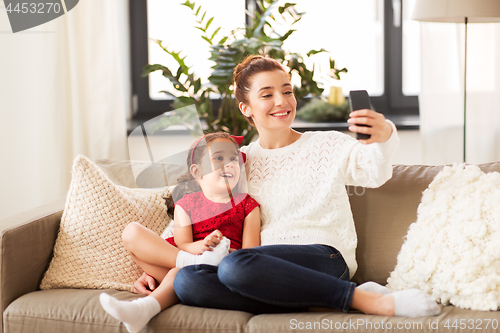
point(301, 187)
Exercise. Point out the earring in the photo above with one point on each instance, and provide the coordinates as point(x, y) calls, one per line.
point(248, 114)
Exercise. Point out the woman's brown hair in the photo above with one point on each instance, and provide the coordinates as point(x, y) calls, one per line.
point(246, 69)
point(195, 156)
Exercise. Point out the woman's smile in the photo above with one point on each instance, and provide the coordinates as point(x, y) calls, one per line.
point(281, 114)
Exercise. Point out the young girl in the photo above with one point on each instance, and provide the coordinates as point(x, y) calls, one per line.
point(211, 219)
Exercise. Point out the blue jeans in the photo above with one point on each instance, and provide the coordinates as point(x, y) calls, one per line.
point(269, 279)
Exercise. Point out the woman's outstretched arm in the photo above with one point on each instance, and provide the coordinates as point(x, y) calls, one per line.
point(369, 164)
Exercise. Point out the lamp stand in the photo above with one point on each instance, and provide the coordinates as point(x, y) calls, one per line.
point(465, 90)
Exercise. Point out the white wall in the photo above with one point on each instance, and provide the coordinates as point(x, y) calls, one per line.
point(410, 150)
point(64, 91)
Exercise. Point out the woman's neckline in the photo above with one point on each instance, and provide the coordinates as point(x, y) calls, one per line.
point(301, 138)
point(294, 135)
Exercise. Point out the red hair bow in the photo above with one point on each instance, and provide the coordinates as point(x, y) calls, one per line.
point(239, 140)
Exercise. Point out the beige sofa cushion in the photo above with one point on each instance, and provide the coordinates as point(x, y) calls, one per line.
point(79, 311)
point(451, 319)
point(89, 252)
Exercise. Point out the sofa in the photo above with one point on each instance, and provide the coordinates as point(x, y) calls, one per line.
point(382, 217)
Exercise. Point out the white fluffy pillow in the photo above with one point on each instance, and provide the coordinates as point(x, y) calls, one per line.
point(89, 252)
point(453, 250)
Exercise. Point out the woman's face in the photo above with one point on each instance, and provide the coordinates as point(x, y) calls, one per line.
point(272, 104)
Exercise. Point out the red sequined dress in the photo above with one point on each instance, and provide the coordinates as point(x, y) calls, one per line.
point(228, 217)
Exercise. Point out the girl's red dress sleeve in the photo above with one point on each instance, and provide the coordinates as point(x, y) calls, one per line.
point(250, 204)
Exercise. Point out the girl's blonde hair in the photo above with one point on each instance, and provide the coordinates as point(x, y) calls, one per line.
point(185, 181)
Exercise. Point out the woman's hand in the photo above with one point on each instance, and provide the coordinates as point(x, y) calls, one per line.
point(145, 285)
point(380, 129)
point(211, 241)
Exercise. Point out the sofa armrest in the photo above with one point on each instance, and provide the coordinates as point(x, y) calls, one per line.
point(26, 243)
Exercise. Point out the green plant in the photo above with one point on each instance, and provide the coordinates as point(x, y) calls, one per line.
point(259, 37)
point(317, 110)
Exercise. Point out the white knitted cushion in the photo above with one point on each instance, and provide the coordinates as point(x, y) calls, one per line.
point(453, 250)
point(89, 252)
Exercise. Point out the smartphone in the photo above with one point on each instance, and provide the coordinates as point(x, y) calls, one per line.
point(358, 100)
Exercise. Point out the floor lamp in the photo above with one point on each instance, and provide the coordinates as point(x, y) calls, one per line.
point(458, 11)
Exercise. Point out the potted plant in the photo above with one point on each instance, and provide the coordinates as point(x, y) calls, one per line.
point(259, 37)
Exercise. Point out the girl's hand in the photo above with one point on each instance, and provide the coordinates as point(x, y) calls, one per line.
point(380, 129)
point(231, 250)
point(211, 241)
point(145, 284)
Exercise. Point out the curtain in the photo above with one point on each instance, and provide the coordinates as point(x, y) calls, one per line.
point(64, 90)
point(442, 96)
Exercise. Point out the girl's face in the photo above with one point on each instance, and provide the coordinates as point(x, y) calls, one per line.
point(220, 167)
point(272, 104)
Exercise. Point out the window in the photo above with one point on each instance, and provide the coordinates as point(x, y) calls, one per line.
point(353, 32)
point(180, 35)
point(363, 35)
point(411, 51)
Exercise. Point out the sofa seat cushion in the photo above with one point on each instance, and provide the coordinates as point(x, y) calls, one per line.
point(353, 322)
point(79, 311)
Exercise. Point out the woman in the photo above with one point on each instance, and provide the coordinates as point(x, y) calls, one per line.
point(308, 233)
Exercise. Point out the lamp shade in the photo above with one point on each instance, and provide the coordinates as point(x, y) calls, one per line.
point(455, 11)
